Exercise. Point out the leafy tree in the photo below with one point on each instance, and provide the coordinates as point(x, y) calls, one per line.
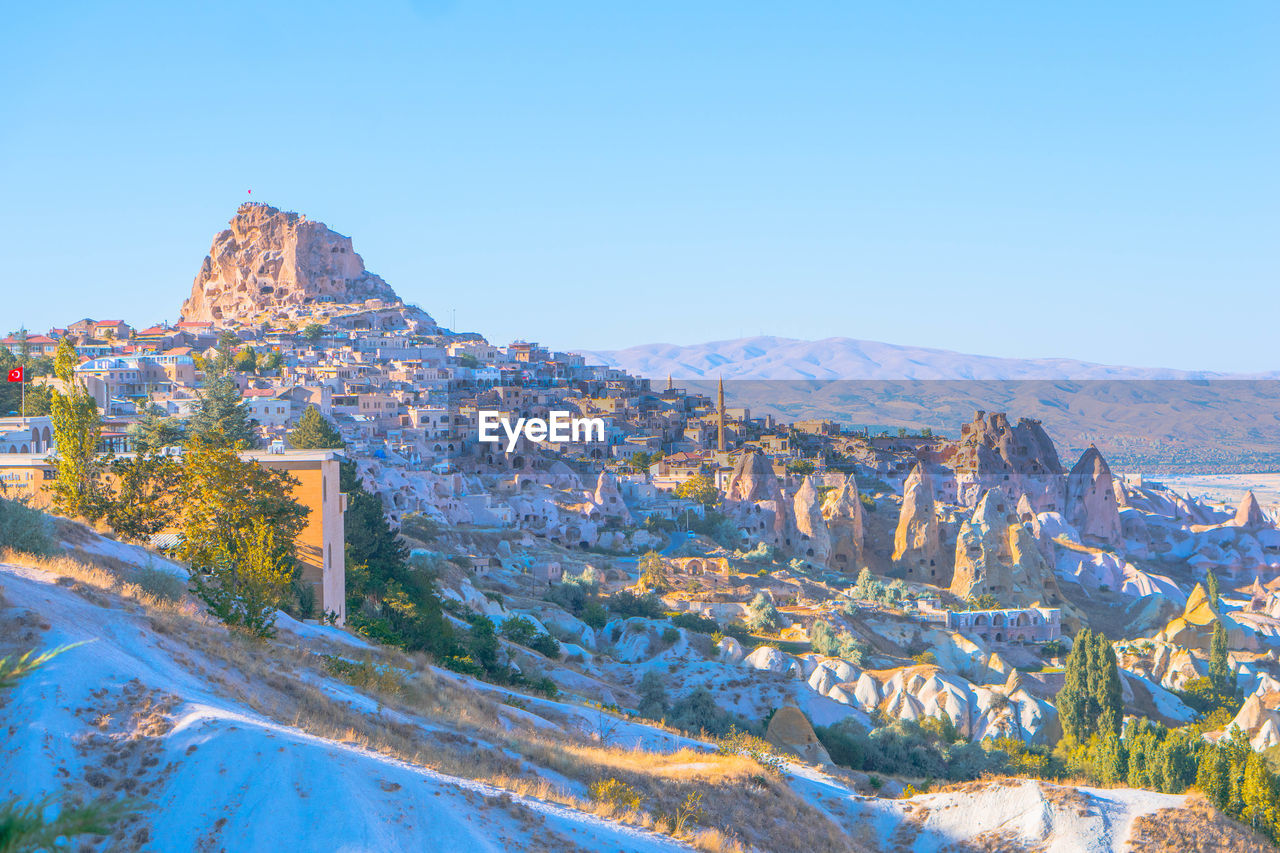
point(519, 629)
point(25, 528)
point(700, 489)
point(762, 616)
point(244, 577)
point(65, 360)
point(387, 598)
point(315, 432)
point(313, 332)
point(1090, 700)
point(641, 462)
point(77, 429)
point(239, 524)
point(653, 572)
point(144, 501)
point(823, 639)
point(273, 360)
point(246, 360)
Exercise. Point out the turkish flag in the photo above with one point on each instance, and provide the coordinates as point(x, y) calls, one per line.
point(15, 375)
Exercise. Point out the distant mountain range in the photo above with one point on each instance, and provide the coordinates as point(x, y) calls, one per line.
point(1155, 420)
point(767, 357)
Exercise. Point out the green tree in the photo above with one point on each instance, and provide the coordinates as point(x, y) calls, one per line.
point(223, 414)
point(1072, 700)
point(387, 598)
point(654, 702)
point(144, 500)
point(762, 616)
point(77, 428)
point(244, 577)
point(312, 332)
point(65, 360)
point(1212, 588)
point(700, 489)
point(246, 360)
point(239, 524)
point(1220, 675)
point(1106, 700)
point(154, 430)
point(823, 639)
point(653, 572)
point(315, 432)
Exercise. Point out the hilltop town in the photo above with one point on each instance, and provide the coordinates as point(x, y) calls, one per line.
point(883, 611)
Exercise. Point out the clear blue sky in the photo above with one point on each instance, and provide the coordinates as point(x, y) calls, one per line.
point(1094, 180)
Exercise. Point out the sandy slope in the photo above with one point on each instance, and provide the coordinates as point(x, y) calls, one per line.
point(220, 776)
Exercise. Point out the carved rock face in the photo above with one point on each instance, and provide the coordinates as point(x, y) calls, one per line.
point(1092, 506)
point(842, 511)
point(917, 547)
point(269, 260)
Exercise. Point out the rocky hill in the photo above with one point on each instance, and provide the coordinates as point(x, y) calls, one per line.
point(279, 263)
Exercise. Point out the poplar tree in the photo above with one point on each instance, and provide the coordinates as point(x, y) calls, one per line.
point(1220, 675)
point(1073, 699)
point(77, 431)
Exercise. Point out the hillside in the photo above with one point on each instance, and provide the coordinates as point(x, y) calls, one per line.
point(334, 744)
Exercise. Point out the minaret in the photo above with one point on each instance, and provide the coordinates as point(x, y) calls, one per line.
point(720, 419)
point(670, 385)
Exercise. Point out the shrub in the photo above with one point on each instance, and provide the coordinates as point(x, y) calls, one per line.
point(926, 658)
point(161, 584)
point(519, 629)
point(695, 622)
point(617, 794)
point(628, 604)
point(670, 635)
point(25, 528)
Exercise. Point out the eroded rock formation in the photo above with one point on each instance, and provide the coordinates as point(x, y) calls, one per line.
point(1092, 507)
point(842, 511)
point(269, 261)
point(917, 549)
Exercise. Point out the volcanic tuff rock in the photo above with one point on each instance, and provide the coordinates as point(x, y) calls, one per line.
point(842, 511)
point(917, 547)
point(1249, 513)
point(997, 555)
point(754, 498)
point(609, 498)
point(1091, 499)
point(789, 729)
point(270, 259)
point(1020, 459)
point(814, 539)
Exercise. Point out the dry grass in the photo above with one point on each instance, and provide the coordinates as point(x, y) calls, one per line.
point(742, 806)
point(1196, 828)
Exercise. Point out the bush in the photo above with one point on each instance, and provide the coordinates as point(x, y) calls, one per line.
point(670, 635)
point(695, 622)
point(627, 604)
point(519, 629)
point(928, 658)
point(25, 528)
point(159, 583)
point(620, 795)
